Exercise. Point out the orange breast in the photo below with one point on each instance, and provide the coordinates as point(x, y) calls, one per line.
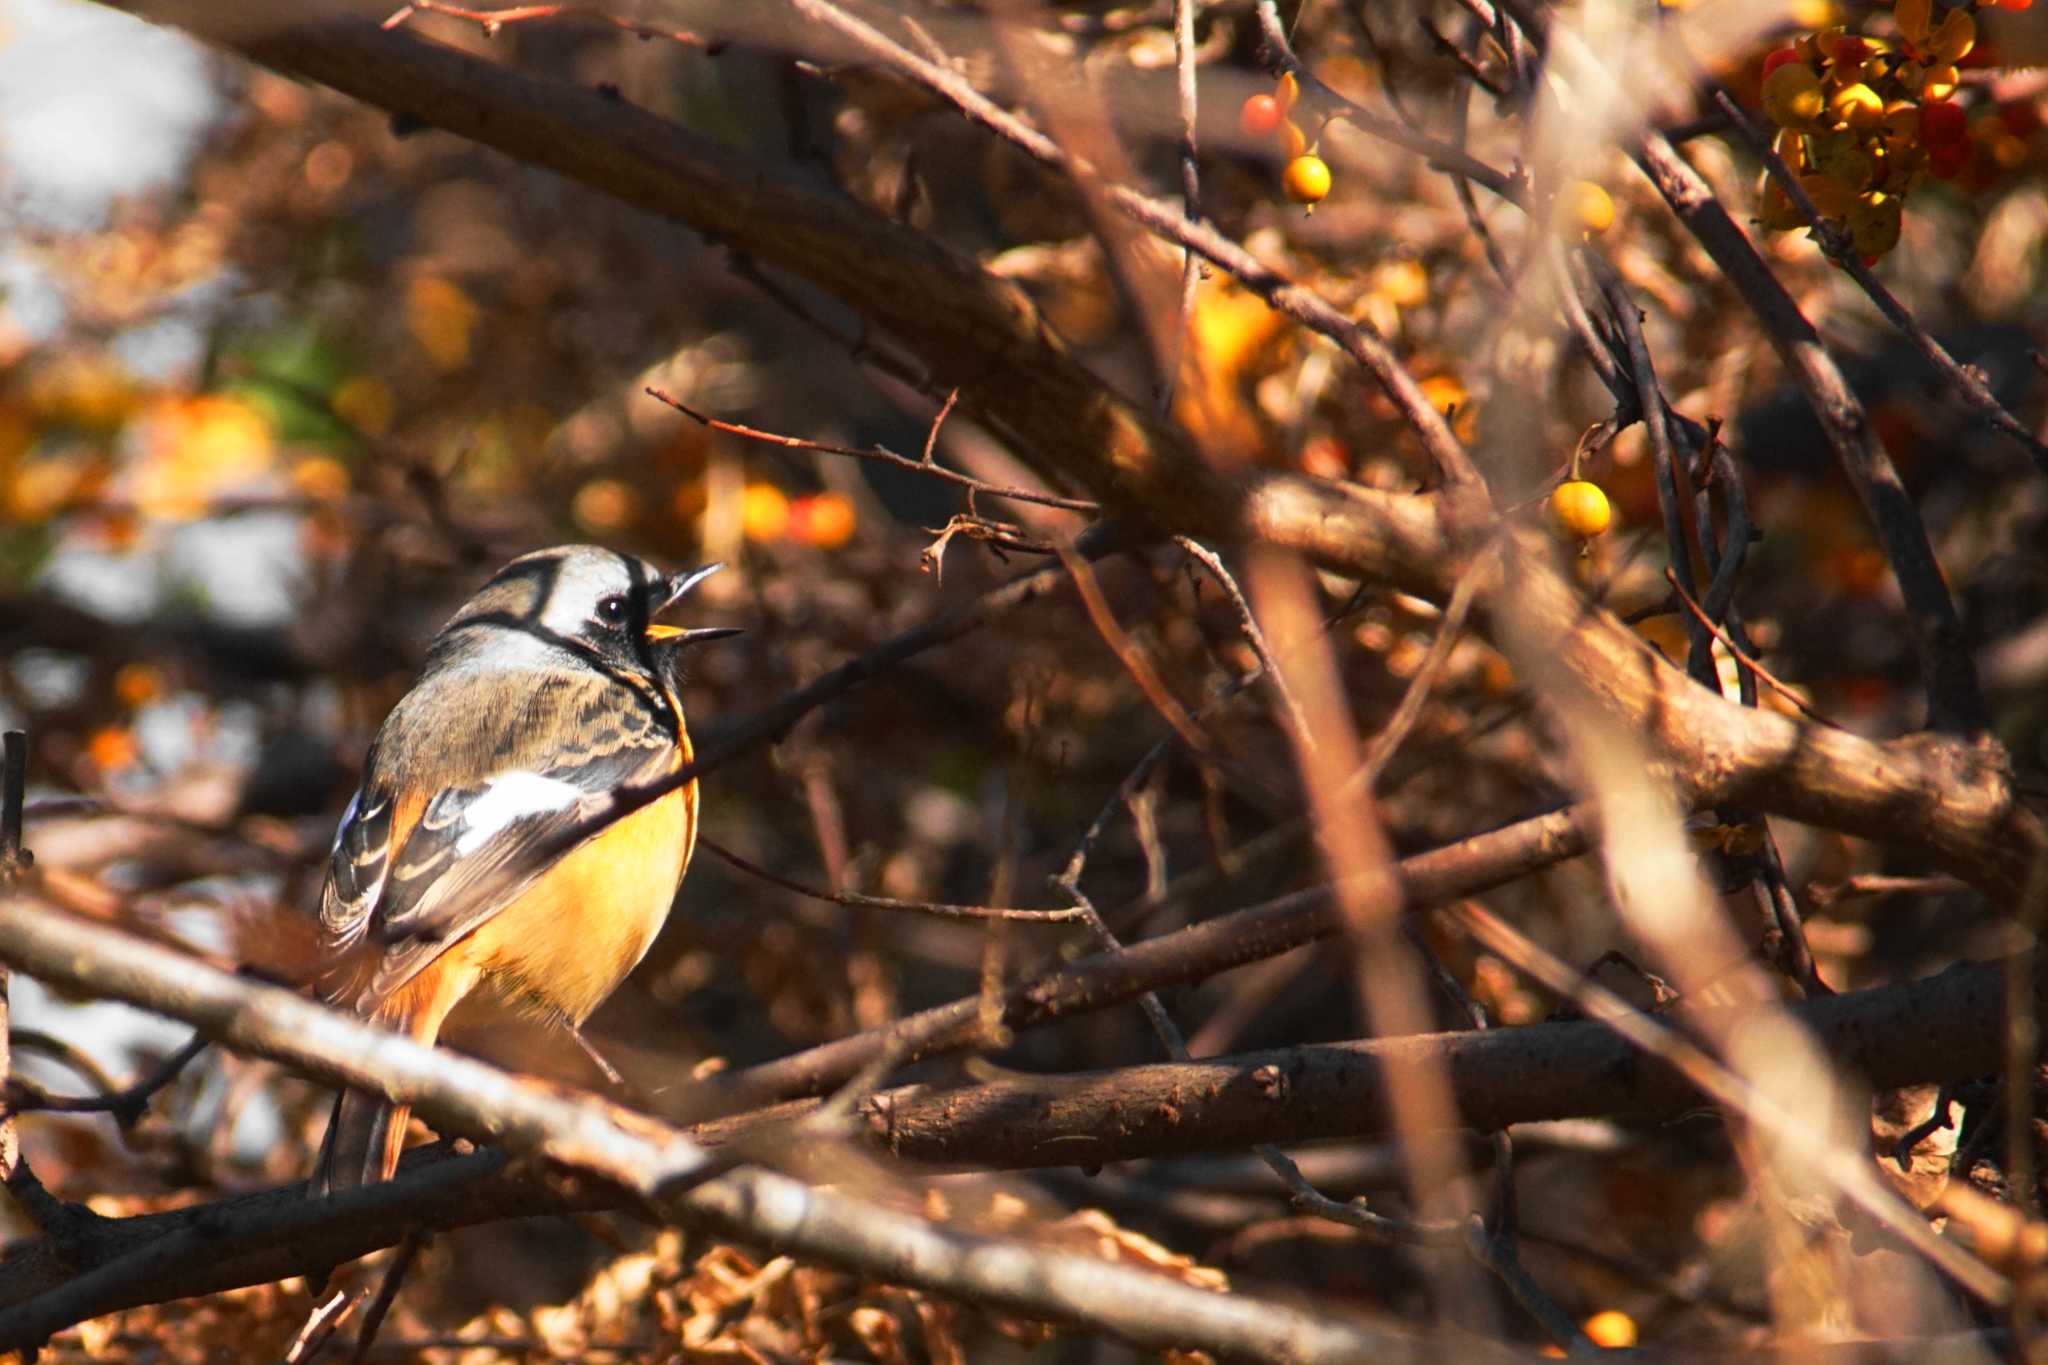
point(571, 937)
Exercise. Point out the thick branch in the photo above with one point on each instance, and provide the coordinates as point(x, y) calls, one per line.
point(1942, 1028)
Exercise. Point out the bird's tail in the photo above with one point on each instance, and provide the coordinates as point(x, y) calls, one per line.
point(362, 1145)
point(368, 1131)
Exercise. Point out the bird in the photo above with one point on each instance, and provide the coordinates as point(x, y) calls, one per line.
point(462, 861)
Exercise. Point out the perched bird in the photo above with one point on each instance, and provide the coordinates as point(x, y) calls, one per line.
point(458, 862)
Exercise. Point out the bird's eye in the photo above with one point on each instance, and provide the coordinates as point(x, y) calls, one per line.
point(612, 610)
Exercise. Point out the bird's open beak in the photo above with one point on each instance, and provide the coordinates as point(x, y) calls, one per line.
point(679, 587)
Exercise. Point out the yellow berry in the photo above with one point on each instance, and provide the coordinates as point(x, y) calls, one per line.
point(764, 512)
point(1792, 95)
point(1856, 105)
point(1306, 179)
point(1580, 508)
point(1592, 208)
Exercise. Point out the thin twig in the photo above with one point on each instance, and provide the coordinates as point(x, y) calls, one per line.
point(931, 436)
point(1440, 154)
point(1381, 748)
point(387, 1294)
point(321, 1324)
point(1746, 659)
point(491, 20)
point(881, 456)
point(1134, 659)
point(1870, 884)
point(127, 1104)
point(1202, 950)
point(1248, 625)
point(856, 900)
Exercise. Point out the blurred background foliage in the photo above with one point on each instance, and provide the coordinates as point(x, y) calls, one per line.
point(280, 382)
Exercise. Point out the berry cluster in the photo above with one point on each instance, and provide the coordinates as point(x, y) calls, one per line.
point(1306, 178)
point(1863, 120)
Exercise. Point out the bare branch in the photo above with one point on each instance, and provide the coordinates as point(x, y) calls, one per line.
point(855, 900)
point(881, 456)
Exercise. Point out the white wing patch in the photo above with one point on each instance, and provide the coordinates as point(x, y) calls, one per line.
point(509, 798)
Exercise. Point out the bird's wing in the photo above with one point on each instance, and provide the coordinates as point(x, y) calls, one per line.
point(420, 863)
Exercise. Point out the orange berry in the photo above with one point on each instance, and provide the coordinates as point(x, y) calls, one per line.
point(112, 747)
point(1306, 179)
point(825, 520)
point(1777, 58)
point(1260, 116)
point(603, 505)
point(137, 684)
point(1580, 508)
point(1612, 1329)
point(321, 477)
